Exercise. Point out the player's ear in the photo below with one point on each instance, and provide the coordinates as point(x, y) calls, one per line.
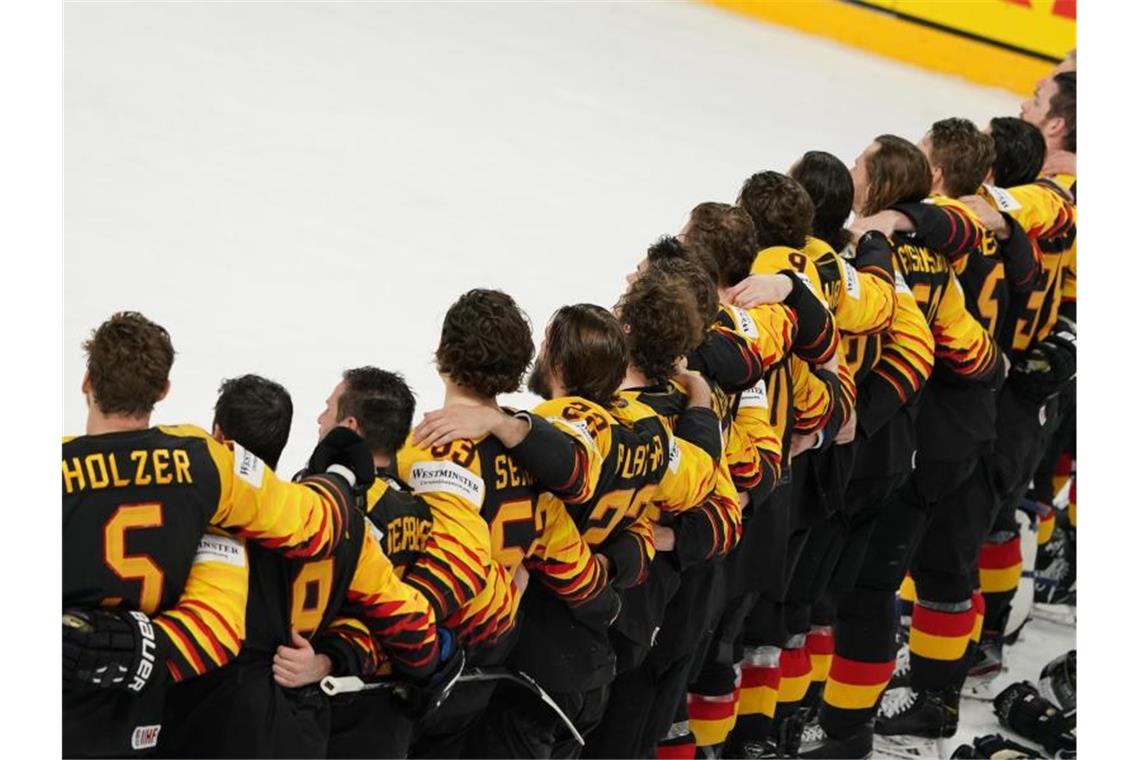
point(935, 174)
point(351, 424)
point(218, 434)
point(165, 390)
point(85, 387)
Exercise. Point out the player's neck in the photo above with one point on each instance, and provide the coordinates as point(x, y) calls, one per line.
point(99, 423)
point(456, 395)
point(634, 378)
point(381, 460)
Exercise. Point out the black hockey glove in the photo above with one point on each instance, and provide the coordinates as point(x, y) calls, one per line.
point(423, 699)
point(1022, 710)
point(108, 650)
point(600, 612)
point(345, 453)
point(1048, 366)
point(994, 746)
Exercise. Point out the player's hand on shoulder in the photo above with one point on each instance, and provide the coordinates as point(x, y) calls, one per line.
point(109, 650)
point(758, 289)
point(454, 422)
point(345, 453)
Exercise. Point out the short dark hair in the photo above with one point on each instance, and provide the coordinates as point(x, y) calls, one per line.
point(485, 344)
point(257, 413)
point(780, 208)
point(963, 152)
point(662, 321)
point(1019, 149)
point(1063, 105)
point(897, 172)
point(827, 181)
point(587, 347)
point(727, 235)
point(128, 363)
point(382, 404)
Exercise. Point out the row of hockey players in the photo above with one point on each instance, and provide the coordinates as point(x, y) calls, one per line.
point(712, 508)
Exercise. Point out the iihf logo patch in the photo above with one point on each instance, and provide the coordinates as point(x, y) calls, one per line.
point(145, 737)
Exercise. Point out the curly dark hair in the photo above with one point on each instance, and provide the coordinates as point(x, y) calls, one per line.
point(727, 236)
point(586, 346)
point(257, 413)
point(485, 344)
point(963, 152)
point(382, 404)
point(128, 364)
point(828, 181)
point(697, 278)
point(780, 208)
point(662, 320)
point(1019, 151)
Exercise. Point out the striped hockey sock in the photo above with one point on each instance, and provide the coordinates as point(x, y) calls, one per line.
point(759, 690)
point(999, 570)
point(820, 646)
point(852, 694)
point(907, 596)
point(678, 744)
point(712, 716)
point(939, 635)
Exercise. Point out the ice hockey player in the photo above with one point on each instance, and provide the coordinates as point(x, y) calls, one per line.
point(150, 597)
point(487, 517)
point(350, 601)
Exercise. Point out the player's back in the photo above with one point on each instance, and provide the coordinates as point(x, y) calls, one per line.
point(135, 504)
point(135, 507)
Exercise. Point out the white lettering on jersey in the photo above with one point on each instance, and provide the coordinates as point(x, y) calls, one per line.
point(447, 477)
point(747, 325)
point(756, 396)
point(216, 548)
point(1003, 198)
point(247, 466)
point(674, 455)
point(851, 280)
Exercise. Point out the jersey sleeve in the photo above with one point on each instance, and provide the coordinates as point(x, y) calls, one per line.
point(944, 225)
point(866, 302)
point(1021, 259)
point(712, 529)
point(1040, 210)
point(1068, 308)
point(349, 645)
point(961, 344)
point(563, 458)
point(816, 336)
point(754, 418)
point(455, 564)
point(813, 397)
point(561, 560)
point(743, 458)
point(397, 616)
point(727, 357)
point(205, 629)
point(304, 520)
point(631, 551)
point(905, 364)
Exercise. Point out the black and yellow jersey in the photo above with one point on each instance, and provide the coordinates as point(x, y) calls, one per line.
point(138, 508)
point(1044, 209)
point(402, 520)
point(486, 519)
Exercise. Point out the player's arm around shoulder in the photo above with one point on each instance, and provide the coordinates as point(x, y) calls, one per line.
point(305, 519)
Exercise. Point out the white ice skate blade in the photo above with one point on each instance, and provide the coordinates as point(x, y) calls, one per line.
point(908, 747)
point(1063, 614)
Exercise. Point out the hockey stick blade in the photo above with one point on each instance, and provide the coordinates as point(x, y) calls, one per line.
point(333, 686)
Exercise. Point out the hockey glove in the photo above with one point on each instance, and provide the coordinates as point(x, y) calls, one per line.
point(1022, 710)
point(994, 746)
point(600, 612)
point(109, 650)
point(421, 700)
point(1045, 369)
point(1058, 682)
point(345, 453)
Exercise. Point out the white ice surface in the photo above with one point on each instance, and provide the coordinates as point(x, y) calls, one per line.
point(293, 189)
